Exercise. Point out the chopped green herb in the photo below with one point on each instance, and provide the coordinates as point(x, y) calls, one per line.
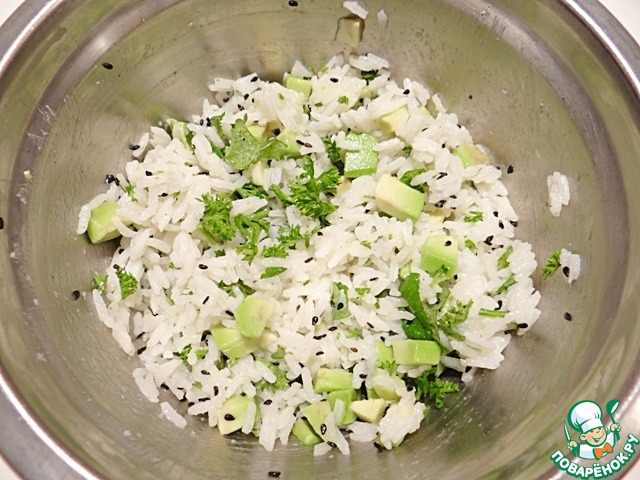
point(272, 272)
point(470, 245)
point(185, 353)
point(99, 283)
point(280, 382)
point(423, 325)
point(215, 223)
point(244, 149)
point(344, 100)
point(340, 301)
point(407, 150)
point(201, 353)
point(390, 366)
point(280, 96)
point(250, 190)
point(492, 313)
point(474, 217)
point(408, 177)
point(251, 227)
point(216, 122)
point(334, 153)
point(278, 354)
point(277, 251)
point(553, 264)
point(452, 317)
point(366, 243)
point(197, 384)
point(170, 300)
point(130, 189)
point(353, 333)
point(505, 286)
point(503, 261)
point(369, 75)
point(430, 387)
point(361, 291)
point(128, 283)
point(171, 266)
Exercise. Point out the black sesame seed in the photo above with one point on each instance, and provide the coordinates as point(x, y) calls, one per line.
point(441, 203)
point(363, 375)
point(318, 353)
point(110, 179)
point(447, 243)
point(268, 401)
point(202, 266)
point(334, 79)
point(134, 147)
point(148, 173)
point(523, 325)
point(75, 294)
point(225, 100)
point(568, 316)
point(229, 418)
point(116, 266)
point(499, 305)
point(370, 325)
point(276, 132)
point(240, 107)
point(373, 279)
point(378, 446)
point(206, 299)
point(229, 312)
point(191, 404)
point(1, 223)
point(441, 175)
point(164, 386)
point(121, 250)
point(406, 92)
point(354, 349)
point(340, 306)
point(275, 473)
point(566, 271)
point(488, 240)
point(331, 444)
point(510, 169)
point(293, 3)
point(333, 329)
point(410, 388)
point(254, 79)
point(163, 195)
point(246, 96)
point(455, 277)
point(320, 234)
point(200, 400)
point(308, 260)
point(209, 121)
point(201, 121)
point(216, 390)
point(320, 337)
point(308, 145)
point(500, 224)
point(514, 224)
point(470, 97)
point(299, 142)
point(139, 335)
point(323, 429)
point(141, 350)
point(314, 320)
point(205, 372)
point(107, 65)
point(467, 369)
point(495, 214)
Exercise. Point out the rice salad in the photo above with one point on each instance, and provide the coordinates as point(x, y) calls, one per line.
point(312, 258)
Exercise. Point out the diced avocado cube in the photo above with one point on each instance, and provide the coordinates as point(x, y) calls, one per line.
point(290, 138)
point(369, 410)
point(252, 315)
point(363, 161)
point(257, 170)
point(101, 227)
point(391, 122)
point(316, 414)
point(347, 396)
point(385, 353)
point(332, 379)
point(384, 385)
point(303, 431)
point(470, 155)
point(298, 84)
point(259, 132)
point(232, 343)
point(232, 414)
point(416, 352)
point(350, 30)
point(439, 254)
point(397, 199)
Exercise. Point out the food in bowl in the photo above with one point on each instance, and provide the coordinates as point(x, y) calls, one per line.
point(312, 257)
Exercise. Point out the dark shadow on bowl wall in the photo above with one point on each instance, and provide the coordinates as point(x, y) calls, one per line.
point(528, 78)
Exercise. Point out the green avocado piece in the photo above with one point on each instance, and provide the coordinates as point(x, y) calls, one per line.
point(363, 161)
point(385, 353)
point(379, 385)
point(332, 379)
point(290, 138)
point(259, 132)
point(303, 431)
point(470, 155)
point(397, 199)
point(347, 396)
point(416, 352)
point(369, 410)
point(232, 414)
point(232, 343)
point(439, 254)
point(101, 227)
point(390, 122)
point(298, 84)
point(252, 315)
point(316, 414)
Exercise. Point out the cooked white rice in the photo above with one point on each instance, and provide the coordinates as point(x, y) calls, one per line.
point(559, 193)
point(355, 8)
point(570, 265)
point(180, 274)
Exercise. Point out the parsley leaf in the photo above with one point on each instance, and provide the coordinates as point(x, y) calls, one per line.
point(215, 223)
point(250, 190)
point(553, 264)
point(344, 100)
point(244, 289)
point(184, 354)
point(474, 217)
point(130, 189)
point(251, 226)
point(409, 175)
point(503, 261)
point(390, 366)
point(272, 272)
point(369, 75)
point(99, 283)
point(280, 382)
point(492, 313)
point(275, 251)
point(128, 283)
point(407, 150)
point(451, 318)
point(430, 387)
point(505, 286)
point(470, 245)
point(216, 122)
point(279, 353)
point(353, 333)
point(245, 149)
point(423, 325)
point(334, 153)
point(201, 353)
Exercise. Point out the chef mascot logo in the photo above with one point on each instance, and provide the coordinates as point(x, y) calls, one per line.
point(592, 440)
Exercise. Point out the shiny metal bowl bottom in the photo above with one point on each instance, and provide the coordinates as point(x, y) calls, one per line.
point(547, 85)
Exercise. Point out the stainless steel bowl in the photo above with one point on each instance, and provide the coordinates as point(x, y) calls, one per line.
point(547, 85)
